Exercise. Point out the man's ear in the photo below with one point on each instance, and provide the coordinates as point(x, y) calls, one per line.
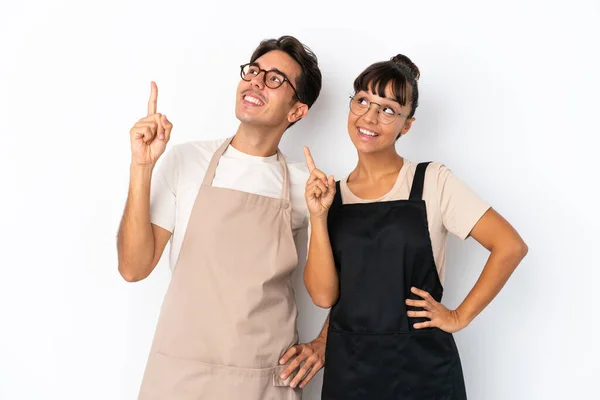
point(298, 111)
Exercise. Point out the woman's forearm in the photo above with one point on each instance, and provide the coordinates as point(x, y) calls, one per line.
point(500, 265)
point(320, 275)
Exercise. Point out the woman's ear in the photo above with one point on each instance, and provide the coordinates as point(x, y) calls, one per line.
point(406, 127)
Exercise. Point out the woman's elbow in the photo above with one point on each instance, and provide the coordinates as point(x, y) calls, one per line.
point(324, 301)
point(320, 297)
point(324, 293)
point(519, 249)
point(524, 249)
point(514, 252)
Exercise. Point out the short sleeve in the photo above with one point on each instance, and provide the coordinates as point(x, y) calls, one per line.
point(163, 190)
point(460, 207)
point(301, 240)
point(308, 233)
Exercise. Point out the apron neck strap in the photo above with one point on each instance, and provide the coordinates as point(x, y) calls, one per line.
point(416, 191)
point(285, 191)
point(337, 198)
point(214, 161)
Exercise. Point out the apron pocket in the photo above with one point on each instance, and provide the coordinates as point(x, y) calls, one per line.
point(413, 365)
point(184, 379)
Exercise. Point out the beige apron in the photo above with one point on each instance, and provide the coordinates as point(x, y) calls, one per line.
point(229, 313)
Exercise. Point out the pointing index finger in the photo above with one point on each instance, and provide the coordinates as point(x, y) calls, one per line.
point(310, 163)
point(153, 99)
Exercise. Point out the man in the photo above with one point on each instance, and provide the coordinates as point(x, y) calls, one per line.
point(231, 210)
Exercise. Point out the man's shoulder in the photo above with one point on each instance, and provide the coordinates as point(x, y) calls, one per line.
point(190, 158)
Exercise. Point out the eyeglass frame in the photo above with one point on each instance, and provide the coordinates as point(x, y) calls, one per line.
point(260, 70)
point(396, 114)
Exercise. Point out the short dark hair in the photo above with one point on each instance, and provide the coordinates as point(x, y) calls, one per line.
point(401, 72)
point(308, 84)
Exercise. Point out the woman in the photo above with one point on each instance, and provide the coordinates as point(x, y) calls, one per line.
point(377, 249)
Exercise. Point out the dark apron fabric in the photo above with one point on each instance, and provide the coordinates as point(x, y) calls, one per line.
point(381, 250)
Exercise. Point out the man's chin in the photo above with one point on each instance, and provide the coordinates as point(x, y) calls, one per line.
point(257, 121)
point(252, 120)
point(247, 117)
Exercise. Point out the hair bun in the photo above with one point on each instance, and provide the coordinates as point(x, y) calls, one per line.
point(404, 62)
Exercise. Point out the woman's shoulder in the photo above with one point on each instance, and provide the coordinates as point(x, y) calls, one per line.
point(435, 169)
point(430, 164)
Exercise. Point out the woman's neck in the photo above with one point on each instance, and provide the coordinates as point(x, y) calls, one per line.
point(372, 167)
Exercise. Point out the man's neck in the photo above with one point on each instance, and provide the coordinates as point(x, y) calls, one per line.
point(257, 142)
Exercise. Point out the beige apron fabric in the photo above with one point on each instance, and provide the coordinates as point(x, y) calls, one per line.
point(229, 313)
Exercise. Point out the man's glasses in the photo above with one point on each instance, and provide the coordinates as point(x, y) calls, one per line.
point(272, 79)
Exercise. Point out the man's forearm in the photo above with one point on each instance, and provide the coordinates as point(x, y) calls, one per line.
point(135, 240)
point(323, 333)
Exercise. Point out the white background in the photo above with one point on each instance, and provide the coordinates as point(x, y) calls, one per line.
point(509, 101)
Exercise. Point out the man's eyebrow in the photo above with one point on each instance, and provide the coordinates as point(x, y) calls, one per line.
point(279, 72)
point(273, 69)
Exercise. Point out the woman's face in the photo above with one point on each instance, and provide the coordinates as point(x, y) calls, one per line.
point(367, 131)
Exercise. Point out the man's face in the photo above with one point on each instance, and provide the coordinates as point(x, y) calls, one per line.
point(259, 105)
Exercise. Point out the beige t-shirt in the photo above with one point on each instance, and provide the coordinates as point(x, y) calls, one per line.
point(451, 205)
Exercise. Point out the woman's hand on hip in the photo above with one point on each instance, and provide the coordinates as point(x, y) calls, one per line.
point(439, 316)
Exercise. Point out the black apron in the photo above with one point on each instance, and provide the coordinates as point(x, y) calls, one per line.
point(381, 250)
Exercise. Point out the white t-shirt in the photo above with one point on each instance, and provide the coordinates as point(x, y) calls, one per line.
point(180, 172)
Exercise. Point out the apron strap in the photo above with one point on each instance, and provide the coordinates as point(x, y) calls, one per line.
point(214, 161)
point(416, 192)
point(285, 192)
point(337, 199)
